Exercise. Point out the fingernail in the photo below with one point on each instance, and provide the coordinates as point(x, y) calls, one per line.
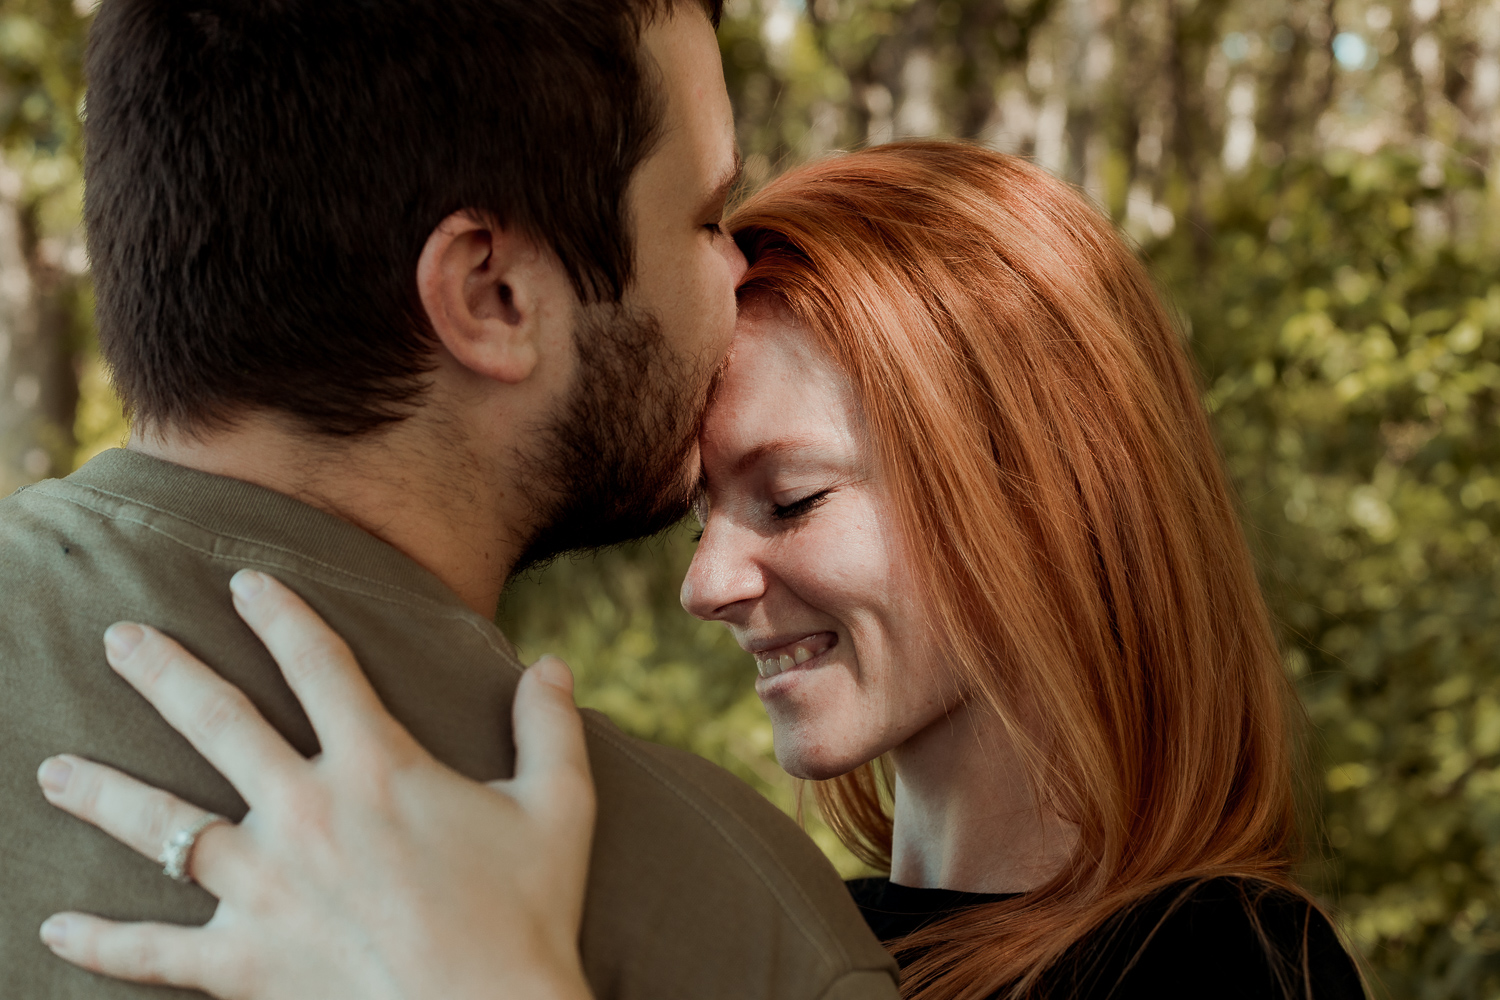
point(247, 584)
point(121, 639)
point(55, 932)
point(553, 671)
point(54, 774)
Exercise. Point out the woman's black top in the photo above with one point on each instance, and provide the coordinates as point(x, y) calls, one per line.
point(1203, 944)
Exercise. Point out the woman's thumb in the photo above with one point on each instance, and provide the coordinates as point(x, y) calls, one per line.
point(552, 763)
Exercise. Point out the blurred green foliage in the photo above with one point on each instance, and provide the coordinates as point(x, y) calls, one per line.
point(1354, 375)
point(41, 55)
point(45, 311)
point(1314, 183)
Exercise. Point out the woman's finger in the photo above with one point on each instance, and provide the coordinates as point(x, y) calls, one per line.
point(160, 954)
point(552, 764)
point(214, 715)
point(318, 665)
point(139, 816)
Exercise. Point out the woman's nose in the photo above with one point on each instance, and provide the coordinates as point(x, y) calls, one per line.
point(724, 576)
point(736, 259)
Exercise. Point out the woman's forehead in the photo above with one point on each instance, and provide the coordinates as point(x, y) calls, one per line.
point(771, 355)
point(779, 387)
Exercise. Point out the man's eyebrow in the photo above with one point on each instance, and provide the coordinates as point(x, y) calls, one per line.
point(728, 182)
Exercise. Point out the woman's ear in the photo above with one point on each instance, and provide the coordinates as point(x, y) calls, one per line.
point(488, 291)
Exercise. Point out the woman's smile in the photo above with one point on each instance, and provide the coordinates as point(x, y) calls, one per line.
point(784, 656)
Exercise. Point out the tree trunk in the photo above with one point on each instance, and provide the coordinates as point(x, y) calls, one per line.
point(38, 380)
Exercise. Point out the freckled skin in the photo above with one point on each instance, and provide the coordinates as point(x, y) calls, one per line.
point(784, 426)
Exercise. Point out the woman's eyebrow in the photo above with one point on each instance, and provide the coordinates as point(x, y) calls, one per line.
point(760, 451)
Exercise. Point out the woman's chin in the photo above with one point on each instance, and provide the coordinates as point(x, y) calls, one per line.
point(822, 724)
point(813, 761)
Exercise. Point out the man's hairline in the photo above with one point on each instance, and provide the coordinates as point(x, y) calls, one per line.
point(667, 8)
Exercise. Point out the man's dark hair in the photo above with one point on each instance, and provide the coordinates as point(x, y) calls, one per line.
point(261, 177)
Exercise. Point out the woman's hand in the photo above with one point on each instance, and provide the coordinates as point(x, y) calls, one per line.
point(372, 871)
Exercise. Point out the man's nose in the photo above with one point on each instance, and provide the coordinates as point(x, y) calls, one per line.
point(724, 576)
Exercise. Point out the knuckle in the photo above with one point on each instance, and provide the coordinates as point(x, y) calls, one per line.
point(376, 779)
point(157, 819)
point(390, 752)
point(307, 815)
point(312, 659)
point(220, 711)
point(143, 956)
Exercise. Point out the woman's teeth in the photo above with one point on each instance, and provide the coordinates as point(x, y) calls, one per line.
point(770, 666)
point(775, 661)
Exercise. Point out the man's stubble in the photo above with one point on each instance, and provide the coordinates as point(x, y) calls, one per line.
point(617, 461)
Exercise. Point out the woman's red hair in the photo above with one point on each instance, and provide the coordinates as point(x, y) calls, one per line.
point(1039, 421)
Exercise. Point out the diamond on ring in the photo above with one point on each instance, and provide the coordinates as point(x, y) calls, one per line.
point(176, 852)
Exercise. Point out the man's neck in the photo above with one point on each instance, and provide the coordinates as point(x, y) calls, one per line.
point(407, 485)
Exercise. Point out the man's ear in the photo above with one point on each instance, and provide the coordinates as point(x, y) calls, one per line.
point(489, 291)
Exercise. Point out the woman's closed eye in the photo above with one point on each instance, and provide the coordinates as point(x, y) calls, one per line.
point(798, 508)
point(784, 511)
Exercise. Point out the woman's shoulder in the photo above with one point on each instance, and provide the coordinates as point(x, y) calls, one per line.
point(1224, 937)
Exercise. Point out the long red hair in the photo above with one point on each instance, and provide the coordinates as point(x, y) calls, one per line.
point(1040, 423)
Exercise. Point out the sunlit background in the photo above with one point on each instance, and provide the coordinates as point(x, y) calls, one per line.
point(1313, 182)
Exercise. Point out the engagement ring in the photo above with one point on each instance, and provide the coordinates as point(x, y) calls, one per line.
point(177, 851)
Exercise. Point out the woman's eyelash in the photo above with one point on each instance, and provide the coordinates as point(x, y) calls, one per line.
point(787, 512)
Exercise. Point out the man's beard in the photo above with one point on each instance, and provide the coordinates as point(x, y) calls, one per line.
point(613, 463)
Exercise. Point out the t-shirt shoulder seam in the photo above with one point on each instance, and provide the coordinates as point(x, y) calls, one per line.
point(178, 516)
point(389, 596)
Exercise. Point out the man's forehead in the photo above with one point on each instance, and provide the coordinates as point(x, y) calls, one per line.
point(691, 75)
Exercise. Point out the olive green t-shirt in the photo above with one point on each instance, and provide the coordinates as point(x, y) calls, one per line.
point(698, 889)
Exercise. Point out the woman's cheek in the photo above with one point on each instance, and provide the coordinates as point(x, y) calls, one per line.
point(844, 564)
